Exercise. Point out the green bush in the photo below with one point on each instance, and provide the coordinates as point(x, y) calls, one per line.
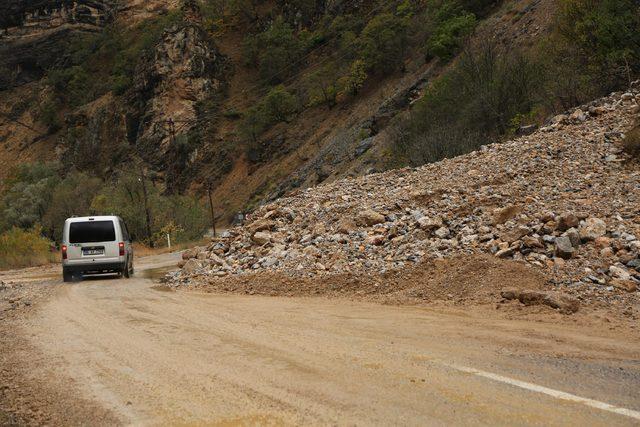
point(277, 106)
point(49, 116)
point(24, 248)
point(453, 25)
point(594, 50)
point(351, 84)
point(473, 104)
point(274, 52)
point(322, 86)
point(27, 195)
point(383, 43)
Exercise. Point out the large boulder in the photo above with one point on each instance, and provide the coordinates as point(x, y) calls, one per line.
point(567, 220)
point(191, 266)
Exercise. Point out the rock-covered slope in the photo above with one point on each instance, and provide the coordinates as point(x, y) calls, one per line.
point(565, 200)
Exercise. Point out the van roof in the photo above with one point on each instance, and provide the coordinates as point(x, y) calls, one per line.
point(93, 218)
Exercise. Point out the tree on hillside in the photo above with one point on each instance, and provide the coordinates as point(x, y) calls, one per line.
point(72, 196)
point(383, 43)
point(279, 105)
point(274, 52)
point(606, 33)
point(322, 86)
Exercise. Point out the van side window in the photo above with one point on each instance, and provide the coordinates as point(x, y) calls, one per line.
point(125, 232)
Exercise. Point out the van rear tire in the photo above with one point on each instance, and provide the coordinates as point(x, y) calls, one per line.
point(126, 272)
point(67, 276)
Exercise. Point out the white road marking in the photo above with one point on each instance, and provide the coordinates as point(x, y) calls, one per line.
point(548, 391)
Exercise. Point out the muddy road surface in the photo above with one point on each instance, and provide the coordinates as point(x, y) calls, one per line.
point(117, 351)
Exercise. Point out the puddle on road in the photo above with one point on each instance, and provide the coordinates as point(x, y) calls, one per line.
point(156, 274)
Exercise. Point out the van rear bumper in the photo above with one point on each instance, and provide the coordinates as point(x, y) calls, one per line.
point(107, 267)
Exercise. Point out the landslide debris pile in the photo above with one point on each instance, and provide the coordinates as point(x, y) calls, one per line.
point(564, 199)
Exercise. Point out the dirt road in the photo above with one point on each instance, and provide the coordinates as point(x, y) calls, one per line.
point(148, 356)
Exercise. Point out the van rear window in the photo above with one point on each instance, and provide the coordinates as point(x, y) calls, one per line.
point(91, 232)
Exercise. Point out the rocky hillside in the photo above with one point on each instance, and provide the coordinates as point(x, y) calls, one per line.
point(97, 84)
point(258, 98)
point(563, 200)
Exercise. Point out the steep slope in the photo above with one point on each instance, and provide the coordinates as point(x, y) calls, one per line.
point(354, 138)
point(176, 102)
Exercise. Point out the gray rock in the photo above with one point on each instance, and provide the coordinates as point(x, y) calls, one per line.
point(564, 248)
point(573, 236)
point(364, 146)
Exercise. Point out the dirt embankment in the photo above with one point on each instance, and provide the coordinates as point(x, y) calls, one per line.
point(474, 279)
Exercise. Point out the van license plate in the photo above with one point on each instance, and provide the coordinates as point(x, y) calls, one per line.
point(92, 251)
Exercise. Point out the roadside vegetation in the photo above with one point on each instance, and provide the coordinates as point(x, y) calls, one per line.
point(25, 248)
point(38, 198)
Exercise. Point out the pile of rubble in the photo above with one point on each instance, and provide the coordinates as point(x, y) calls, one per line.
point(564, 199)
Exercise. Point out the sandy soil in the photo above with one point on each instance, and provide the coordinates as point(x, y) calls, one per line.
point(113, 351)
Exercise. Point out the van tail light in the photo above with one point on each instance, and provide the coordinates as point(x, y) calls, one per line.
point(121, 247)
point(64, 251)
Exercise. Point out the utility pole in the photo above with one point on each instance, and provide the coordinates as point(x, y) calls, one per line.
point(213, 216)
point(172, 130)
point(147, 211)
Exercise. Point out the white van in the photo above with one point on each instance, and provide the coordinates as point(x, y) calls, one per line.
point(94, 245)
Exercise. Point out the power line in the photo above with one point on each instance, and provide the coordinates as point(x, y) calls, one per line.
point(16, 121)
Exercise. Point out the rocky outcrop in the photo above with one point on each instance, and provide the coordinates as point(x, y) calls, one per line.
point(33, 34)
point(172, 84)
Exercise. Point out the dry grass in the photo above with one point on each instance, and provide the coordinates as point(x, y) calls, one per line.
point(631, 142)
point(24, 248)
